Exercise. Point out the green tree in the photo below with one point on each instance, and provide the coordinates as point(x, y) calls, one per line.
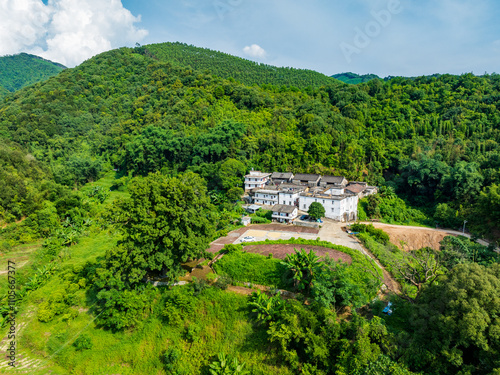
point(165, 222)
point(303, 267)
point(316, 210)
point(231, 174)
point(334, 288)
point(455, 324)
point(223, 365)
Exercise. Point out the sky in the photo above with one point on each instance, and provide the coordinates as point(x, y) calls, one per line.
point(384, 37)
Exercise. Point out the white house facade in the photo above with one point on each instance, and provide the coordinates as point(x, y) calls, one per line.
point(268, 197)
point(289, 194)
point(340, 207)
point(256, 179)
point(284, 213)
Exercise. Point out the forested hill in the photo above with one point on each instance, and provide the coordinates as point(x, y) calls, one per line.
point(18, 71)
point(434, 140)
point(353, 78)
point(228, 66)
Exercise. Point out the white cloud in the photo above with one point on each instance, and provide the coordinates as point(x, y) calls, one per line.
point(255, 51)
point(66, 31)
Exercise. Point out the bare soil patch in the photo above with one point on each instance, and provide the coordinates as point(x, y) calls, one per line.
point(280, 250)
point(412, 238)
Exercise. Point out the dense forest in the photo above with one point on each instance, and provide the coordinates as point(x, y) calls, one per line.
point(224, 65)
point(18, 71)
point(116, 173)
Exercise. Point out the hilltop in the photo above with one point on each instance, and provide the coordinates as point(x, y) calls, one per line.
point(18, 71)
point(353, 78)
point(228, 66)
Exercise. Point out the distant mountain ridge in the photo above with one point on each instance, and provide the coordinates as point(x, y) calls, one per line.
point(354, 79)
point(18, 71)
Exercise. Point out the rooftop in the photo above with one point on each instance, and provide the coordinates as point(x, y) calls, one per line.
point(281, 175)
point(306, 177)
point(333, 179)
point(356, 188)
point(257, 174)
point(285, 208)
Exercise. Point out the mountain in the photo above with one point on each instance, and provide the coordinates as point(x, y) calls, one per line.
point(353, 78)
point(18, 71)
point(225, 65)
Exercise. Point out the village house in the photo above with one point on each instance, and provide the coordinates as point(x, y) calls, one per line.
point(266, 196)
point(284, 213)
point(339, 205)
point(256, 179)
point(306, 179)
point(361, 189)
point(338, 196)
point(333, 180)
point(289, 194)
point(278, 178)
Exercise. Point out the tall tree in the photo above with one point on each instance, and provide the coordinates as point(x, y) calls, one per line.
point(165, 222)
point(456, 324)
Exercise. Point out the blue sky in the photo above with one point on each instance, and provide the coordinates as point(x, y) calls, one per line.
point(385, 37)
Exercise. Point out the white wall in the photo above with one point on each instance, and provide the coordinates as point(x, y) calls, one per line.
point(288, 198)
point(334, 209)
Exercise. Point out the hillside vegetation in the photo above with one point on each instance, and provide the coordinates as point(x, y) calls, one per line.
point(18, 71)
point(227, 66)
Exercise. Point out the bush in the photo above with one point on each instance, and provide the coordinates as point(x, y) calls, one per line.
point(83, 342)
point(223, 281)
point(378, 234)
point(260, 220)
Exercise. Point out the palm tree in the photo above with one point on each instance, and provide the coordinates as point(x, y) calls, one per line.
point(267, 309)
point(303, 267)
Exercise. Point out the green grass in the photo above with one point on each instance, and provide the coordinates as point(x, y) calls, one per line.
point(386, 254)
point(252, 268)
point(21, 255)
point(219, 320)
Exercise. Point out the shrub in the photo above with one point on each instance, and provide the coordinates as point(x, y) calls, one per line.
point(83, 342)
point(223, 281)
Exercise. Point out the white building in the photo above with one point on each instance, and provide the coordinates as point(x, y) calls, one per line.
point(289, 194)
point(339, 205)
point(284, 213)
point(267, 196)
point(256, 179)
